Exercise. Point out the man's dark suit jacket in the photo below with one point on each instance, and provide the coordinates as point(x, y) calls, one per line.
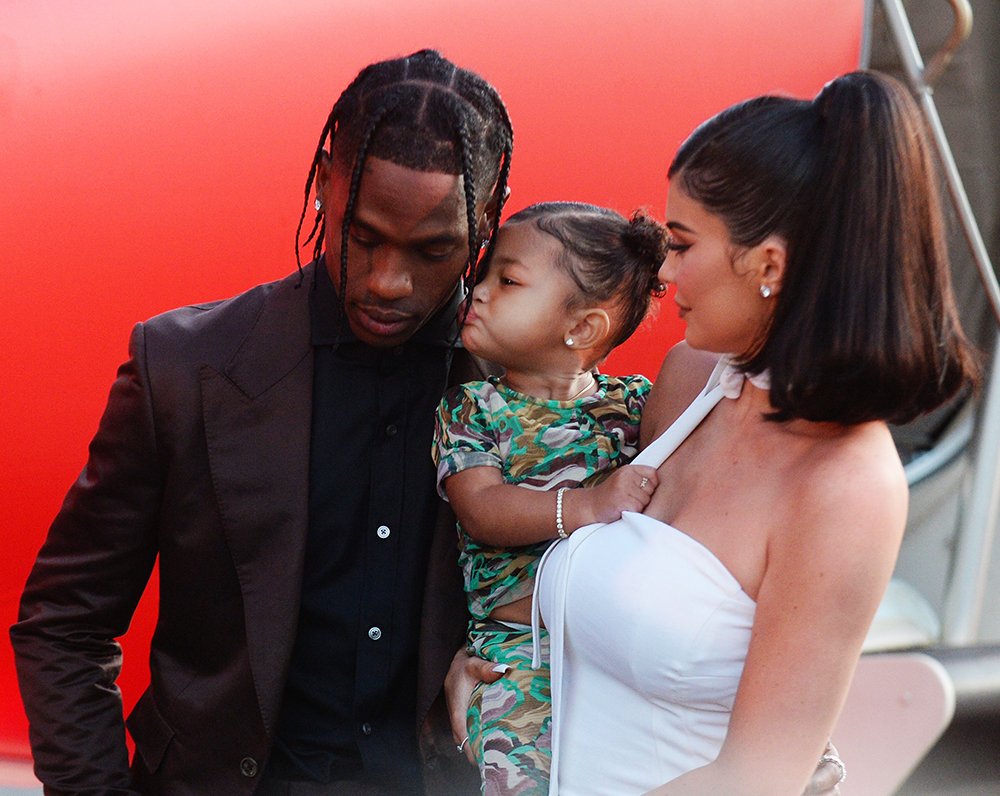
point(201, 458)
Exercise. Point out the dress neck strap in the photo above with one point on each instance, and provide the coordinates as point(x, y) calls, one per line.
point(726, 381)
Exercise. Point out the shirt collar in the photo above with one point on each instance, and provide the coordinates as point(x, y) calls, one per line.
point(324, 309)
point(731, 378)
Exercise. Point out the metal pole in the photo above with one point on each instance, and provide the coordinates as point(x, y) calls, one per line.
point(865, 58)
point(977, 527)
point(913, 63)
point(963, 602)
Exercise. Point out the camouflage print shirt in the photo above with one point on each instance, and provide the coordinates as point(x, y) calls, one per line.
point(536, 444)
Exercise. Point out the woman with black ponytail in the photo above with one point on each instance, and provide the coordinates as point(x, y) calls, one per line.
point(706, 645)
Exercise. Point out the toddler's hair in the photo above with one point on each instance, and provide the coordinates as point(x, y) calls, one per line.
point(609, 257)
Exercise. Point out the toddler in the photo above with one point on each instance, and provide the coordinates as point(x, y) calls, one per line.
point(567, 283)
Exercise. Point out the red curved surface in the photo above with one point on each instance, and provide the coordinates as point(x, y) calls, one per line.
point(154, 154)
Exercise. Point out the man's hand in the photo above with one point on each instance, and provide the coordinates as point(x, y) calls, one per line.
point(828, 775)
point(464, 674)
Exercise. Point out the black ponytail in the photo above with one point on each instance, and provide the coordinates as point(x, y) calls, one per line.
point(864, 325)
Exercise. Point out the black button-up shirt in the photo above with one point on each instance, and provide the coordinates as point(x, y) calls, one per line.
point(349, 704)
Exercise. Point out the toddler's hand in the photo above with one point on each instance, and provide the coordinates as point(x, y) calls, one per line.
point(629, 488)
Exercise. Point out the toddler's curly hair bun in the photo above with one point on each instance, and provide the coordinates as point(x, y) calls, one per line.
point(646, 239)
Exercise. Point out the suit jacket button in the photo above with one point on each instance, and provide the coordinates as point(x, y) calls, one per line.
point(249, 767)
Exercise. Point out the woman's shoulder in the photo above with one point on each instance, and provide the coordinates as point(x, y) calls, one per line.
point(687, 368)
point(833, 544)
point(682, 376)
point(851, 457)
point(848, 489)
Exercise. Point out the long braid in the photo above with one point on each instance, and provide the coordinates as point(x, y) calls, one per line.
point(313, 168)
point(352, 196)
point(468, 183)
point(471, 275)
point(318, 230)
point(470, 200)
point(329, 131)
point(494, 102)
point(508, 150)
point(501, 192)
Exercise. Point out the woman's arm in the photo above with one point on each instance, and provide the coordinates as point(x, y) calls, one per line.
point(506, 515)
point(827, 568)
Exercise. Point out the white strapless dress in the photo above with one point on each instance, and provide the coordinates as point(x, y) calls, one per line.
point(648, 633)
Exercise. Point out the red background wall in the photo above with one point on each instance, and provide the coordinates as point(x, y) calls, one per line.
point(154, 154)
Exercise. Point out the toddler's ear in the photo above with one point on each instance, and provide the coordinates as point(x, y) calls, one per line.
point(591, 330)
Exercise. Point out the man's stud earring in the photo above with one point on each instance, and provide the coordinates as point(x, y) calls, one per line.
point(765, 291)
point(569, 341)
point(318, 204)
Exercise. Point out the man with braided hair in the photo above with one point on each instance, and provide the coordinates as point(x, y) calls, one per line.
point(271, 450)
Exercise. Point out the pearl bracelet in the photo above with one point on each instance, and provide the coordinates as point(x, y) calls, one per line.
point(559, 523)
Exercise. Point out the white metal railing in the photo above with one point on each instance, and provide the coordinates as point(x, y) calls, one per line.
point(921, 80)
point(978, 523)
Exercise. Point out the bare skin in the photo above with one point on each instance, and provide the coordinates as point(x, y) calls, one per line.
point(687, 370)
point(808, 518)
point(521, 318)
point(407, 247)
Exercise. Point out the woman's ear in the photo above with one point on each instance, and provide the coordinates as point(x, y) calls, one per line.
point(772, 260)
point(591, 329)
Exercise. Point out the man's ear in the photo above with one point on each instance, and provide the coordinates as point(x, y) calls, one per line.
point(489, 213)
point(591, 329)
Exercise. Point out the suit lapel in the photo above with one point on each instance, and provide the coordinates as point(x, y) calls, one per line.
point(257, 415)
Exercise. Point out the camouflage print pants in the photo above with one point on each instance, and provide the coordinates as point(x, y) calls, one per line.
point(509, 720)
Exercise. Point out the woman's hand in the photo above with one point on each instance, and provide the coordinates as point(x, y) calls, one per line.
point(464, 674)
point(828, 775)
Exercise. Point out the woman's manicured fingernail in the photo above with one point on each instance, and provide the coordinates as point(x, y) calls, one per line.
point(503, 668)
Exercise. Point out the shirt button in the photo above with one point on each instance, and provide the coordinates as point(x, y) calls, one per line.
point(390, 430)
point(249, 767)
point(374, 634)
point(366, 728)
point(383, 531)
